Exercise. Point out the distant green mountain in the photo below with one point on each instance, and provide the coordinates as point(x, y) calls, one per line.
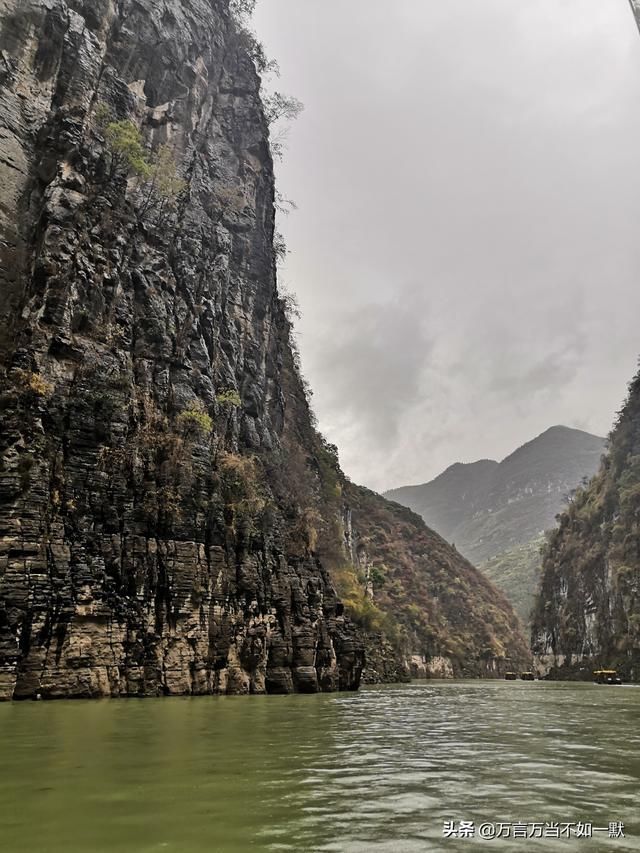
point(496, 513)
point(516, 573)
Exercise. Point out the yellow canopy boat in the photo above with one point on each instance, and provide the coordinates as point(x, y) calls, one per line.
point(606, 676)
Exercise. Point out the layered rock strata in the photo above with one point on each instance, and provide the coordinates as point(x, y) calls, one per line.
point(141, 549)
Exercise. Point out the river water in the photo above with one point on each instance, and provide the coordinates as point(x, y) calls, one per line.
point(380, 770)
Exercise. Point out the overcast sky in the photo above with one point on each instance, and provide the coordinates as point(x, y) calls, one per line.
point(466, 252)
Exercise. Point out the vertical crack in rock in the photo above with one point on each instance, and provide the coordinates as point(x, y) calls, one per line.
point(164, 496)
point(143, 547)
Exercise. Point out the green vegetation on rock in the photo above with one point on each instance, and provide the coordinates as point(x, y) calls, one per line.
point(197, 418)
point(126, 144)
point(588, 609)
point(517, 573)
point(229, 399)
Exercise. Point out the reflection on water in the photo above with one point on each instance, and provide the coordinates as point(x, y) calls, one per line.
point(380, 770)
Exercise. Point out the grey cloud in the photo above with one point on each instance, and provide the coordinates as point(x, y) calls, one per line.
point(373, 360)
point(466, 236)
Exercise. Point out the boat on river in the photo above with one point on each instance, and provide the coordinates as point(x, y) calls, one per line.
point(606, 676)
point(510, 676)
point(527, 676)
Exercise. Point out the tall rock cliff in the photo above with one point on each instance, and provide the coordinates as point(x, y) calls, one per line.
point(142, 549)
point(588, 610)
point(168, 514)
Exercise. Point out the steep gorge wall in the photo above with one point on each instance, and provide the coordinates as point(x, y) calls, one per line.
point(133, 560)
point(170, 520)
point(450, 620)
point(587, 614)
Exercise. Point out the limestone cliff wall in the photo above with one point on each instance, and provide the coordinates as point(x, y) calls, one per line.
point(170, 520)
point(142, 552)
point(587, 614)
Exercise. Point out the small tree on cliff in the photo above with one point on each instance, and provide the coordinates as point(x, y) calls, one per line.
point(160, 184)
point(280, 247)
point(195, 419)
point(164, 186)
point(242, 10)
point(128, 154)
point(279, 106)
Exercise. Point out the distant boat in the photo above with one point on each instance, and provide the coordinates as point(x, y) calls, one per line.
point(510, 676)
point(606, 676)
point(527, 676)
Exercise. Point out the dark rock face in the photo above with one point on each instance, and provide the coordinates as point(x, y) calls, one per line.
point(383, 665)
point(139, 553)
point(587, 613)
point(164, 496)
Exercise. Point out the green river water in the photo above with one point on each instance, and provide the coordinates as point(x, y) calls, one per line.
point(380, 770)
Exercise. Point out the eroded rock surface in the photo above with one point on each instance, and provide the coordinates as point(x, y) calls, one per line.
point(587, 613)
point(141, 554)
point(170, 520)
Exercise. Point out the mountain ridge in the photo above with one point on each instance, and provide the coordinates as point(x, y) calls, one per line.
point(451, 501)
point(494, 511)
point(555, 429)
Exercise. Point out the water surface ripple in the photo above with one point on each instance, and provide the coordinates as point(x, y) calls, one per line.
point(380, 770)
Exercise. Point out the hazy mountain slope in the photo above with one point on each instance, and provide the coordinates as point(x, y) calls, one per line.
point(448, 501)
point(487, 508)
point(588, 609)
point(517, 573)
point(492, 511)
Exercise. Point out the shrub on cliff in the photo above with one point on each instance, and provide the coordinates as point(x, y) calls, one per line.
point(165, 173)
point(195, 418)
point(242, 10)
point(33, 384)
point(160, 184)
point(229, 399)
point(127, 150)
point(279, 106)
point(242, 489)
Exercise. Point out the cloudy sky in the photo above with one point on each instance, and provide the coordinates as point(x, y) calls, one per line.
point(466, 252)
